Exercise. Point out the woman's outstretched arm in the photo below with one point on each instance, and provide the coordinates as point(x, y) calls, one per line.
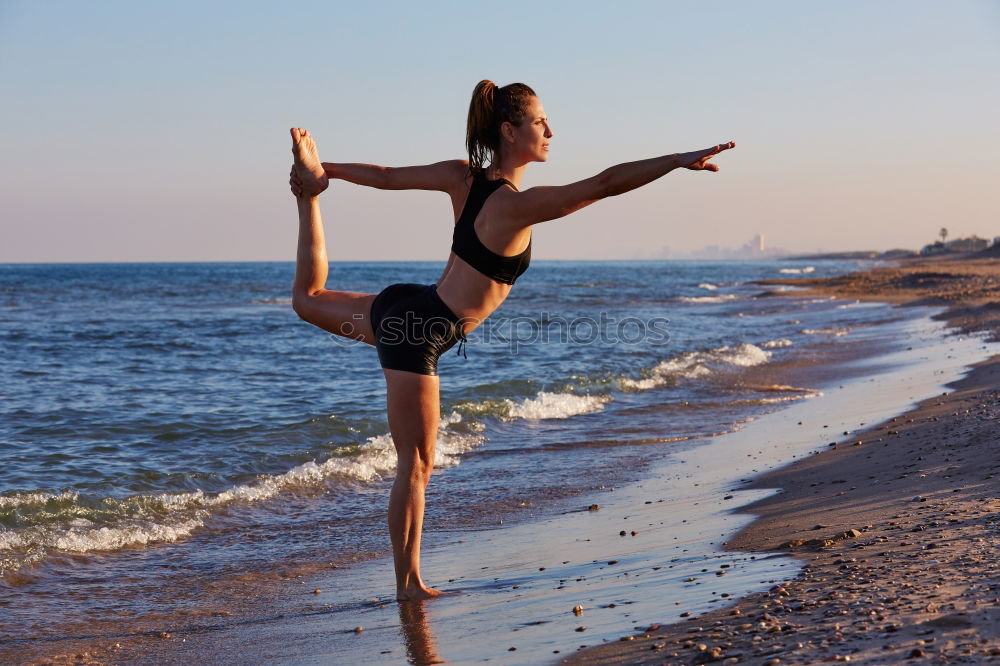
point(539, 204)
point(442, 176)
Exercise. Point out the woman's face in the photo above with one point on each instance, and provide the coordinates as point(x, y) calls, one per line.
point(530, 141)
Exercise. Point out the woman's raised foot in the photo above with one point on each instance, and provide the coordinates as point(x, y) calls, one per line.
point(310, 173)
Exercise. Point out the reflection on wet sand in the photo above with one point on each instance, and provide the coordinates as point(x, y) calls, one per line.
point(420, 644)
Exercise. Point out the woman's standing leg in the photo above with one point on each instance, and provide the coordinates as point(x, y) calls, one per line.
point(414, 413)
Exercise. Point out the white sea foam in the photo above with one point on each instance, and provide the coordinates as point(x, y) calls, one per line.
point(774, 344)
point(797, 271)
point(790, 398)
point(792, 393)
point(168, 517)
point(692, 365)
point(555, 405)
point(835, 332)
point(782, 388)
point(643, 384)
point(272, 301)
point(708, 285)
point(372, 460)
point(721, 298)
point(24, 499)
point(83, 537)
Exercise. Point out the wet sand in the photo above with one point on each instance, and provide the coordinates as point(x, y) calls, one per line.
point(897, 526)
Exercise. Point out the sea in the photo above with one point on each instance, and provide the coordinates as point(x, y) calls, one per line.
point(172, 433)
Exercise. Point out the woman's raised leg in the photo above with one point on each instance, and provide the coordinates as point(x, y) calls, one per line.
point(414, 413)
point(342, 312)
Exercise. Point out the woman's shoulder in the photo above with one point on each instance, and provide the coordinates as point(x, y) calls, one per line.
point(452, 170)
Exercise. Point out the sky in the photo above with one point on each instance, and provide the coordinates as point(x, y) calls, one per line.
point(139, 131)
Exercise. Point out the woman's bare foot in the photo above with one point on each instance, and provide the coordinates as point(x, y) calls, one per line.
point(417, 593)
point(307, 166)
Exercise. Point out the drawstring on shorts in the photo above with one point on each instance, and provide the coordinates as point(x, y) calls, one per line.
point(461, 345)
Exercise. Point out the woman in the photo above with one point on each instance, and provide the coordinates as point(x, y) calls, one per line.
point(412, 325)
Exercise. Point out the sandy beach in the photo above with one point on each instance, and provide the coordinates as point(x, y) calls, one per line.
point(896, 525)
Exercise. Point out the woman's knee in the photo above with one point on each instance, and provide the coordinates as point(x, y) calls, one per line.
point(418, 468)
point(304, 305)
point(339, 313)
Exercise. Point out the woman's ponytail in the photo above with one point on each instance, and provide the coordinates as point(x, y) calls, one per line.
point(478, 135)
point(491, 107)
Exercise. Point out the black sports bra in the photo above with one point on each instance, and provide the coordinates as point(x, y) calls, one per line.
point(466, 244)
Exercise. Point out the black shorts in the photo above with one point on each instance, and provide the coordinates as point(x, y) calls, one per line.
point(413, 327)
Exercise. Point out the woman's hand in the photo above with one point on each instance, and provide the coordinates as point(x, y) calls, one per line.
point(699, 159)
point(295, 183)
point(300, 190)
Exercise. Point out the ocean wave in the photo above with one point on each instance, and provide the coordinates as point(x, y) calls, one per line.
point(797, 271)
point(26, 499)
point(590, 285)
point(84, 537)
point(782, 388)
point(366, 462)
point(793, 393)
point(773, 344)
point(721, 298)
point(543, 405)
point(556, 405)
point(708, 285)
point(692, 365)
point(836, 332)
point(272, 301)
point(80, 525)
point(790, 398)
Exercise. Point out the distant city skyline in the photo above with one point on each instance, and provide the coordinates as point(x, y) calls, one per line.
point(757, 248)
point(158, 131)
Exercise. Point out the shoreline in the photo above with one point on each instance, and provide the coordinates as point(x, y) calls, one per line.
point(894, 526)
point(302, 625)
